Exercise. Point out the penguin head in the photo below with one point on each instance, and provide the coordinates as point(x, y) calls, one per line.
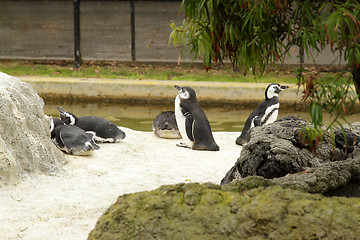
point(273, 90)
point(55, 131)
point(55, 124)
point(66, 117)
point(186, 93)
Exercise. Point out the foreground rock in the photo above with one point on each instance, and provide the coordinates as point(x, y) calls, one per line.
point(253, 207)
point(25, 145)
point(277, 151)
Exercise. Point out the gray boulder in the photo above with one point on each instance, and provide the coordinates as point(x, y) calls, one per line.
point(25, 145)
point(277, 151)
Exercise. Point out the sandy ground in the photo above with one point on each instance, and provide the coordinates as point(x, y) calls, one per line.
point(68, 204)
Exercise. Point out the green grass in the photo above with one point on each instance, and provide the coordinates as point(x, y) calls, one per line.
point(116, 70)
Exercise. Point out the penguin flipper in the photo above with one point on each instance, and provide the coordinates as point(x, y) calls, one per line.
point(189, 122)
point(257, 121)
point(91, 139)
point(245, 133)
point(91, 135)
point(96, 147)
point(58, 142)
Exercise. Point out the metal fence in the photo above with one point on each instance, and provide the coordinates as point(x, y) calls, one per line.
point(97, 30)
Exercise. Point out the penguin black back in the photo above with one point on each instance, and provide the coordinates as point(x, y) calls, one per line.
point(165, 126)
point(103, 129)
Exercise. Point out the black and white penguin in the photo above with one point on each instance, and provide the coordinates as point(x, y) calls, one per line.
point(266, 112)
point(192, 122)
point(104, 130)
point(54, 122)
point(72, 139)
point(164, 125)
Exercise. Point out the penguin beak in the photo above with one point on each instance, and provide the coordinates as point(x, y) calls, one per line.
point(178, 88)
point(61, 110)
point(284, 87)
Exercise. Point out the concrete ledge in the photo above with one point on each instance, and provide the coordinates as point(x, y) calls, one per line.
point(124, 90)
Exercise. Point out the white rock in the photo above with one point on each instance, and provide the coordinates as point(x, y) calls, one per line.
point(25, 145)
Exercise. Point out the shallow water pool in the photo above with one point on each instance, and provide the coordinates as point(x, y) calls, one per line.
point(140, 117)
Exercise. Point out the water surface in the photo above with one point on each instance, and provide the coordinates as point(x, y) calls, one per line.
point(140, 117)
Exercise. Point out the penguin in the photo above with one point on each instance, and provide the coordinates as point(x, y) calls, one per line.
point(54, 122)
point(192, 122)
point(72, 139)
point(164, 125)
point(266, 112)
point(104, 130)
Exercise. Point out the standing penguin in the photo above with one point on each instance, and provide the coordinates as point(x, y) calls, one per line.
point(192, 122)
point(266, 112)
point(72, 139)
point(104, 130)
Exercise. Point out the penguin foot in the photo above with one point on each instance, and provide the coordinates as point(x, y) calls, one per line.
point(184, 145)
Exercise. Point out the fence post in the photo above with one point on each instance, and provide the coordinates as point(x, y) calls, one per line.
point(77, 33)
point(132, 17)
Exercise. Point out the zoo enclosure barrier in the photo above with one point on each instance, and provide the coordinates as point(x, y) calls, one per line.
point(113, 30)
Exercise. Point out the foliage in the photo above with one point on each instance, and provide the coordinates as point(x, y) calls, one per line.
point(238, 30)
point(331, 93)
point(253, 34)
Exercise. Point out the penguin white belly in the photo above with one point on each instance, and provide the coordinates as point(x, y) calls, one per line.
point(100, 139)
point(271, 114)
point(105, 140)
point(180, 120)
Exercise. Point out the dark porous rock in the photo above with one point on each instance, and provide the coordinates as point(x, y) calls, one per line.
point(346, 140)
point(351, 189)
point(329, 176)
point(250, 208)
point(277, 151)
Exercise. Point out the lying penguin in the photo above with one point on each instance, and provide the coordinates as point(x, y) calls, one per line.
point(72, 139)
point(164, 125)
point(192, 122)
point(104, 130)
point(54, 122)
point(266, 112)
